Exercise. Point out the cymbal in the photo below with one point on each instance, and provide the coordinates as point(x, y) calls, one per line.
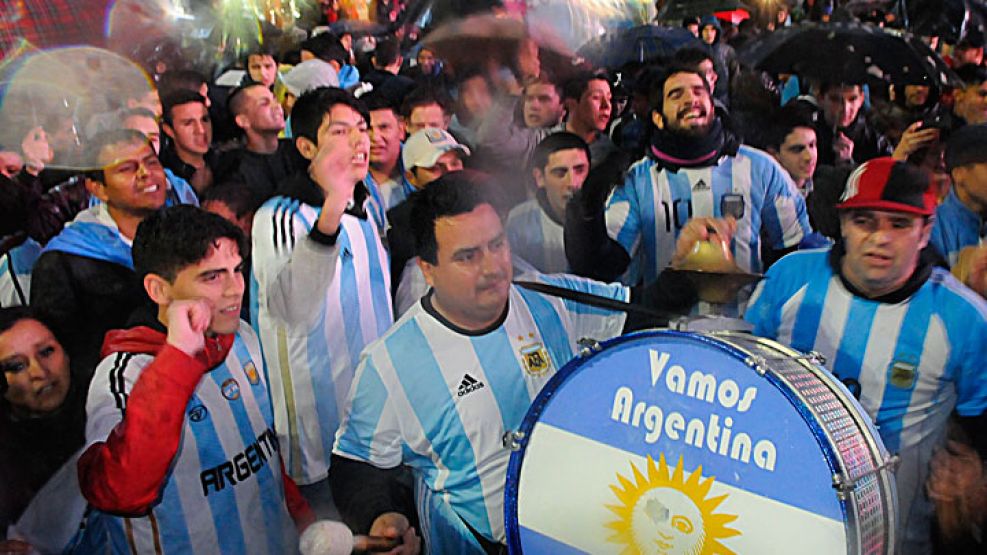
point(717, 287)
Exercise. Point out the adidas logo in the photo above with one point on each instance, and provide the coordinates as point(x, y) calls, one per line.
point(468, 385)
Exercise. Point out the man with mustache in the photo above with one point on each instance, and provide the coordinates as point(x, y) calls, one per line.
point(695, 167)
point(906, 333)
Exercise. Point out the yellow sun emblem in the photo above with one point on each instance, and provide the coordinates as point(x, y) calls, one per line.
point(666, 513)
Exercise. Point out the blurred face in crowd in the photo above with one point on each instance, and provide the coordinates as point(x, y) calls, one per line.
point(429, 115)
point(694, 29)
point(36, 369)
point(973, 56)
point(882, 248)
point(970, 183)
point(10, 163)
point(149, 101)
point(134, 180)
point(916, 95)
point(686, 105)
point(472, 274)
point(217, 278)
point(148, 126)
point(262, 69)
point(190, 128)
point(970, 103)
point(475, 98)
point(798, 154)
point(426, 61)
point(841, 105)
point(542, 105)
point(386, 133)
point(709, 34)
point(225, 211)
point(450, 161)
point(261, 111)
point(593, 109)
point(708, 70)
point(562, 176)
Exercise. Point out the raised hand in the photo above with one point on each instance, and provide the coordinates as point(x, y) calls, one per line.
point(188, 322)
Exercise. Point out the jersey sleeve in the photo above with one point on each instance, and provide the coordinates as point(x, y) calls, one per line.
point(590, 321)
point(784, 216)
point(370, 430)
point(764, 306)
point(622, 212)
point(971, 374)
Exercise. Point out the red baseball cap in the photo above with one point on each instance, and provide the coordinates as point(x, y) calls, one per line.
point(889, 184)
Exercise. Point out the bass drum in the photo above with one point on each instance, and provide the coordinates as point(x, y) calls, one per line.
point(674, 442)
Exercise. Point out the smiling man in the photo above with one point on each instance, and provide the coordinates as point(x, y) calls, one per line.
point(906, 334)
point(695, 167)
point(84, 281)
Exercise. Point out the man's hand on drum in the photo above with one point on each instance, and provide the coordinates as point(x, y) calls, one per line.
point(396, 526)
point(957, 487)
point(703, 229)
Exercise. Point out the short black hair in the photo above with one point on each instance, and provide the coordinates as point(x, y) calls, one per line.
point(103, 139)
point(313, 106)
point(234, 194)
point(792, 115)
point(691, 56)
point(387, 52)
point(555, 142)
point(971, 74)
point(236, 101)
point(825, 86)
point(656, 99)
point(327, 48)
point(179, 236)
point(425, 96)
point(546, 77)
point(575, 87)
point(177, 98)
point(180, 79)
point(452, 194)
point(375, 100)
point(263, 50)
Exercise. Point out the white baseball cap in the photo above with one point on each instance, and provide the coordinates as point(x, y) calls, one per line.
point(424, 147)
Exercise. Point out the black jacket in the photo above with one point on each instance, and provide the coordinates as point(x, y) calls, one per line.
point(84, 298)
point(261, 173)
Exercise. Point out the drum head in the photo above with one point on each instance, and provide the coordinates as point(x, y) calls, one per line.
point(668, 442)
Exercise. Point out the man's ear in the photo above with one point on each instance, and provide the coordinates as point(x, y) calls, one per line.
point(570, 105)
point(539, 177)
point(158, 289)
point(96, 189)
point(168, 130)
point(306, 147)
point(428, 270)
point(657, 119)
point(926, 231)
point(242, 121)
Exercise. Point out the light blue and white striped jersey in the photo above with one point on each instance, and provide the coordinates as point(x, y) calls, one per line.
point(956, 227)
point(646, 213)
point(15, 273)
point(536, 238)
point(310, 364)
point(225, 491)
point(440, 400)
point(392, 192)
point(914, 360)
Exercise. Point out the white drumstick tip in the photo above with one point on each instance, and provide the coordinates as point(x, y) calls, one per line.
point(326, 537)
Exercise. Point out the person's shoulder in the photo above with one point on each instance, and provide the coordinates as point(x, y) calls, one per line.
point(757, 157)
point(955, 300)
point(524, 211)
point(802, 264)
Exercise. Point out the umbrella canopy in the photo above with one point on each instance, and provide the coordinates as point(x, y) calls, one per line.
point(477, 39)
point(682, 9)
point(644, 43)
point(849, 53)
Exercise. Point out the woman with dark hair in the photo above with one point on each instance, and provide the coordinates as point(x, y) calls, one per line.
point(42, 415)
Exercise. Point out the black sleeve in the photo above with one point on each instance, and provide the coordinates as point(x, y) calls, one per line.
point(590, 251)
point(362, 492)
point(672, 293)
point(975, 428)
point(53, 295)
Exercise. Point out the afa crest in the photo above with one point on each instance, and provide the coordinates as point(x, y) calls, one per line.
point(230, 389)
point(902, 374)
point(251, 371)
point(535, 359)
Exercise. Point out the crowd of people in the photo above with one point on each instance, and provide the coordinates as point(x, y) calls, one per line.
point(284, 291)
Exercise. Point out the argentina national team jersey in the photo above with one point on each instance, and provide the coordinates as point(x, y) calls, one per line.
point(311, 364)
point(914, 360)
point(956, 227)
point(440, 400)
point(646, 213)
point(537, 238)
point(224, 492)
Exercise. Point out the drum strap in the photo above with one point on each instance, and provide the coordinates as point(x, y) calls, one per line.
point(597, 301)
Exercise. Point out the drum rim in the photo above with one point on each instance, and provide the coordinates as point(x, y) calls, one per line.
point(721, 341)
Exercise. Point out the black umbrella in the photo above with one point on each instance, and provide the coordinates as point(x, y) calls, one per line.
point(644, 43)
point(849, 53)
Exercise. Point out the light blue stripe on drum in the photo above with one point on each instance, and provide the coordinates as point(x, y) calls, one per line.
point(535, 543)
point(799, 476)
